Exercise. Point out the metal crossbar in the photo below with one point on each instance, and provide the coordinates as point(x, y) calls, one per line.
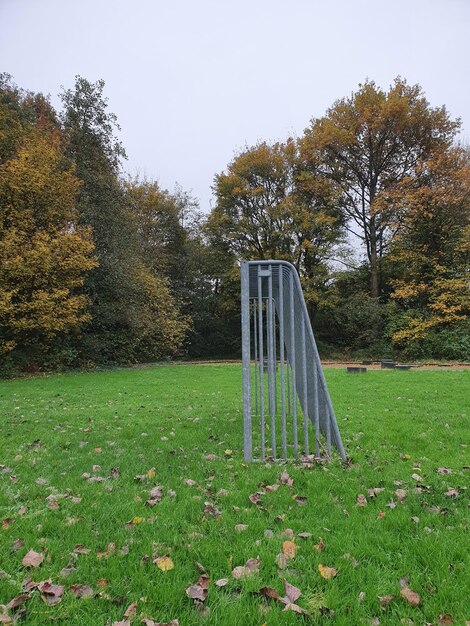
point(283, 380)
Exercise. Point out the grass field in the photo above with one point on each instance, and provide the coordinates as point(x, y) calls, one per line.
point(73, 445)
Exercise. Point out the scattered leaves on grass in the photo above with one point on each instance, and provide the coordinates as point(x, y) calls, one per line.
point(361, 500)
point(445, 620)
point(149, 622)
point(444, 470)
point(304, 535)
point(164, 563)
point(125, 622)
point(410, 596)
point(134, 521)
point(374, 491)
point(327, 572)
point(81, 549)
point(81, 591)
point(221, 582)
point(7, 522)
point(17, 544)
point(452, 493)
point(243, 571)
point(33, 559)
point(416, 477)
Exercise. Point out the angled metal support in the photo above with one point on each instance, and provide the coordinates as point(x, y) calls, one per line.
point(282, 373)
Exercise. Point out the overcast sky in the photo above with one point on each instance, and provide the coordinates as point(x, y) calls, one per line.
point(194, 81)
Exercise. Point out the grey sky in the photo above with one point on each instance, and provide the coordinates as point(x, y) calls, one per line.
point(194, 81)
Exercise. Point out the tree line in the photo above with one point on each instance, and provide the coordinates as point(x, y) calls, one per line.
point(98, 268)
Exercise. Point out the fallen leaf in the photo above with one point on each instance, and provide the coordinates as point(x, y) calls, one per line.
point(131, 610)
point(17, 544)
point(81, 591)
point(81, 549)
point(292, 593)
point(221, 582)
point(210, 510)
point(411, 596)
point(164, 563)
point(269, 592)
point(444, 470)
point(255, 498)
point(289, 549)
point(51, 594)
point(242, 571)
point(241, 527)
point(416, 477)
point(401, 494)
point(33, 559)
point(445, 620)
point(304, 535)
point(361, 500)
point(384, 600)
point(327, 572)
point(156, 495)
point(17, 601)
point(285, 479)
point(125, 622)
point(7, 522)
point(452, 493)
point(319, 547)
point(374, 491)
point(281, 561)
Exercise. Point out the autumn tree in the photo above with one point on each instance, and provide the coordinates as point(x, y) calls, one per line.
point(367, 143)
point(44, 253)
point(432, 247)
point(267, 208)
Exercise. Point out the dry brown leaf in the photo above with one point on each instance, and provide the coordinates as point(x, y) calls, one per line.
point(411, 596)
point(269, 592)
point(51, 594)
point(452, 493)
point(125, 622)
point(196, 592)
point(384, 600)
point(81, 549)
point(6, 619)
point(17, 544)
point(445, 620)
point(289, 549)
point(149, 622)
point(361, 500)
point(401, 494)
point(221, 582)
point(327, 572)
point(304, 535)
point(255, 498)
point(7, 522)
point(81, 591)
point(241, 527)
point(131, 610)
point(281, 561)
point(444, 470)
point(210, 510)
point(319, 547)
point(17, 601)
point(33, 559)
point(285, 479)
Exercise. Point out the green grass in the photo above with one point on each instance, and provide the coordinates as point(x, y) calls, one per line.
point(394, 424)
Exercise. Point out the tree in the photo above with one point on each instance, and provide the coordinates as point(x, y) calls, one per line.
point(44, 254)
point(432, 247)
point(133, 314)
point(367, 143)
point(268, 208)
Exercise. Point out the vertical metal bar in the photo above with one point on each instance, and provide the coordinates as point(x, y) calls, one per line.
point(281, 358)
point(292, 361)
point(304, 385)
point(271, 369)
point(316, 410)
point(245, 306)
point(328, 435)
point(289, 376)
point(255, 336)
point(261, 362)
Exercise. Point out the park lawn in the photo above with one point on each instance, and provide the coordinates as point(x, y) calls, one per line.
point(179, 427)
